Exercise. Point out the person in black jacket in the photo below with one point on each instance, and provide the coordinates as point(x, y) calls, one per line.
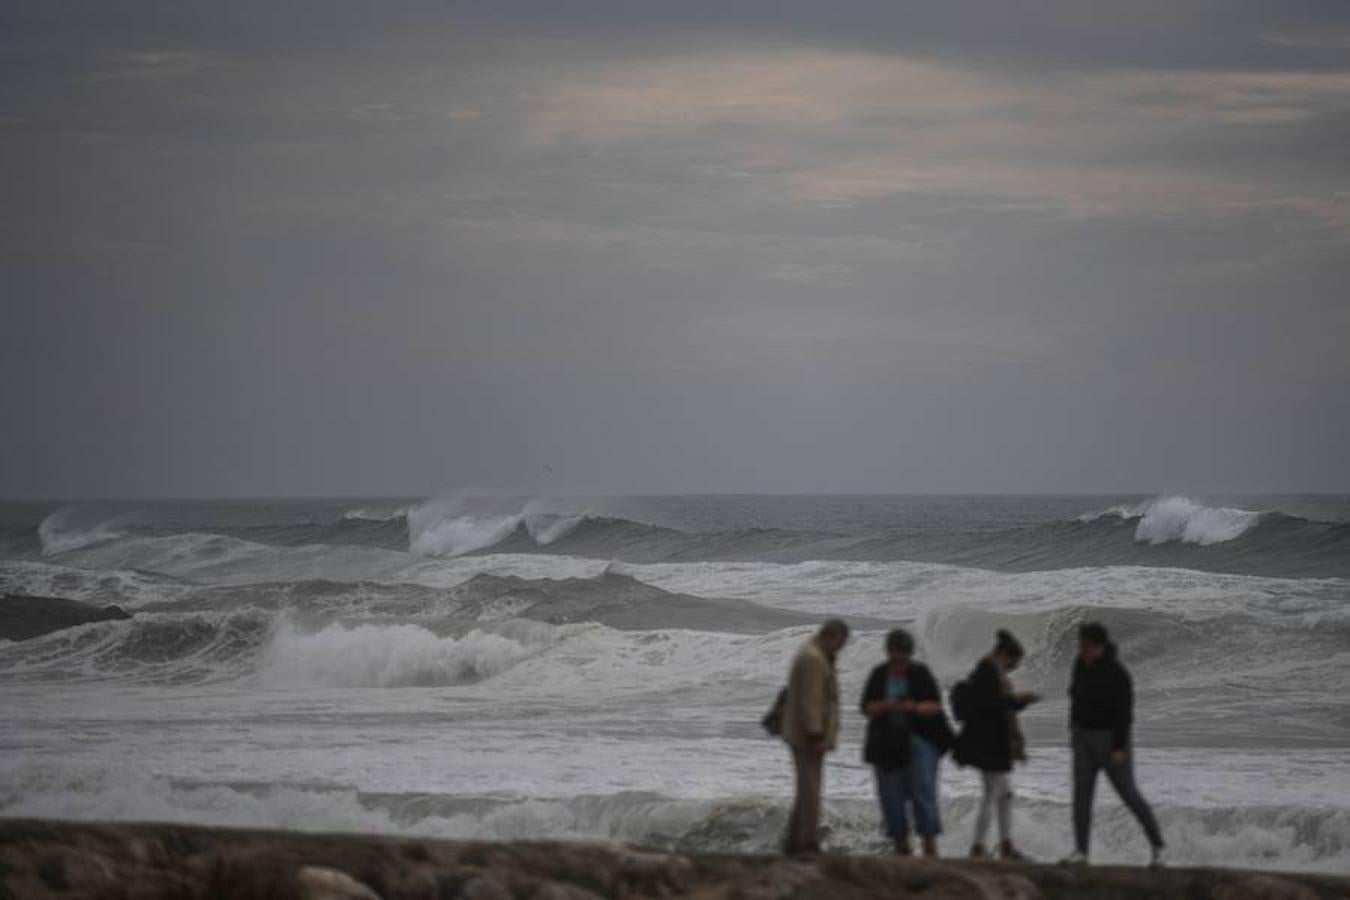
point(907, 733)
point(991, 739)
point(1101, 713)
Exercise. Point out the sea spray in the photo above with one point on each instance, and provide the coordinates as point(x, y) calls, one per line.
point(1182, 519)
point(456, 525)
point(70, 528)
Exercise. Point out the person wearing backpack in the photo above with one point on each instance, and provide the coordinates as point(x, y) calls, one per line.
point(907, 733)
point(991, 739)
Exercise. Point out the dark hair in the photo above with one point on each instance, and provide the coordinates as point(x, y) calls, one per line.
point(835, 628)
point(1005, 643)
point(1094, 632)
point(899, 639)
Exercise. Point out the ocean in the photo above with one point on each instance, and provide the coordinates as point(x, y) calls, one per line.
point(517, 668)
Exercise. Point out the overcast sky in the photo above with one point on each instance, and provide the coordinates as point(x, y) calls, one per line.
point(356, 248)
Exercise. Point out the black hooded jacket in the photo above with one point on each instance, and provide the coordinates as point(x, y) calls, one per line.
point(1102, 698)
point(986, 740)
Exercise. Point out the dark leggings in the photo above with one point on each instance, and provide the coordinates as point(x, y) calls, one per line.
point(1091, 754)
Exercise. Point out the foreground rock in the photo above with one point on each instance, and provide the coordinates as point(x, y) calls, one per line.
point(45, 859)
point(23, 617)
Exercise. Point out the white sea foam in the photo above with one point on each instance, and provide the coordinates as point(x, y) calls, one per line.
point(1284, 836)
point(905, 590)
point(123, 587)
point(593, 660)
point(130, 794)
point(181, 555)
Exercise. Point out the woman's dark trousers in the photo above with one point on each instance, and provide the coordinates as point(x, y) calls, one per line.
point(1091, 754)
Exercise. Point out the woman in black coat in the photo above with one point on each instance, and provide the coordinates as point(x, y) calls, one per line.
point(991, 739)
point(907, 733)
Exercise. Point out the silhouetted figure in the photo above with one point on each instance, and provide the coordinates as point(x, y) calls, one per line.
point(1100, 715)
point(992, 741)
point(811, 729)
point(907, 733)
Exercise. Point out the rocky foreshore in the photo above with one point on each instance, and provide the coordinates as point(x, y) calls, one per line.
point(51, 859)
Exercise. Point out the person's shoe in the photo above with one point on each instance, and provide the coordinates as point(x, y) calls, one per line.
point(1007, 851)
point(1076, 858)
point(902, 847)
point(977, 851)
point(1158, 859)
point(930, 848)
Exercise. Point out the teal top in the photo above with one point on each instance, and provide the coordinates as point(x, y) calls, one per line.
point(897, 689)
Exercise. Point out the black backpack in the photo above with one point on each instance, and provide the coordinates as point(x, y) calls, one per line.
point(960, 700)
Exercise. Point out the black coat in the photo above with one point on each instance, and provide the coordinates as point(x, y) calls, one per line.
point(985, 741)
point(1102, 698)
point(888, 746)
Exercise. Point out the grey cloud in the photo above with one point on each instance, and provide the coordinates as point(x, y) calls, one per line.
point(1211, 33)
point(261, 250)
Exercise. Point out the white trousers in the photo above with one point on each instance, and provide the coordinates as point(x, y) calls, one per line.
point(997, 793)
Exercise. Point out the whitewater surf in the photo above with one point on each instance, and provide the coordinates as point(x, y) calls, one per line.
point(546, 667)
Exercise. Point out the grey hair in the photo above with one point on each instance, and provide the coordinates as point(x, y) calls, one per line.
point(834, 628)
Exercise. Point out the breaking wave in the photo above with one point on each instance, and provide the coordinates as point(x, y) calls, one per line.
point(155, 648)
point(459, 535)
point(1174, 518)
point(1166, 531)
point(123, 587)
point(339, 655)
point(456, 526)
point(323, 633)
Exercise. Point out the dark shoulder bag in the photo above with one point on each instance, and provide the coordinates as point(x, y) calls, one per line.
point(773, 719)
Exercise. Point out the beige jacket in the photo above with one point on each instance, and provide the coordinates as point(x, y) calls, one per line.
point(812, 709)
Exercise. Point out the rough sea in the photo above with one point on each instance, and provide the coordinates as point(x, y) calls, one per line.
point(596, 668)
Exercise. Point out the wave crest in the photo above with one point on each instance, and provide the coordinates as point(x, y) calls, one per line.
point(60, 532)
point(375, 514)
point(149, 647)
point(389, 656)
point(1181, 519)
point(454, 526)
point(1174, 518)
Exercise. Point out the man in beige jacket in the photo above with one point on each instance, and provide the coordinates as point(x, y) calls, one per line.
point(811, 729)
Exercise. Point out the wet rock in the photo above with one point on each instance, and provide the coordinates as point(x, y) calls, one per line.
point(318, 883)
point(82, 861)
